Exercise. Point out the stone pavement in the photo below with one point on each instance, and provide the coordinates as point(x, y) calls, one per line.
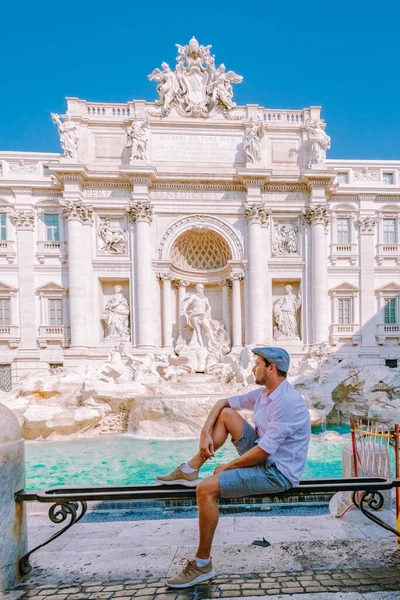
point(117, 557)
point(304, 583)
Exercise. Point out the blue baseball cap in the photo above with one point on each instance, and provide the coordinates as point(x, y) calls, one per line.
point(277, 356)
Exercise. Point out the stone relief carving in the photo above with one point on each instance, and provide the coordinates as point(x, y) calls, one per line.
point(140, 211)
point(112, 238)
point(316, 214)
point(366, 224)
point(202, 340)
point(116, 315)
point(69, 137)
point(320, 142)
point(252, 141)
point(284, 239)
point(23, 167)
point(256, 213)
point(23, 219)
point(77, 210)
point(136, 138)
point(285, 309)
point(366, 175)
point(197, 85)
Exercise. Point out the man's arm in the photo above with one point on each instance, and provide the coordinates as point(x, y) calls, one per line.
point(248, 459)
point(206, 444)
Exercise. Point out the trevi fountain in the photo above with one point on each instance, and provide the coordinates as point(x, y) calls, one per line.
point(142, 264)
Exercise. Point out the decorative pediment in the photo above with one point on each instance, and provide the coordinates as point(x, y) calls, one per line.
point(344, 288)
point(392, 287)
point(344, 208)
point(51, 288)
point(7, 289)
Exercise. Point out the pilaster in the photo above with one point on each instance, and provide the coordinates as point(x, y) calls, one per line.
point(140, 213)
point(77, 214)
point(25, 223)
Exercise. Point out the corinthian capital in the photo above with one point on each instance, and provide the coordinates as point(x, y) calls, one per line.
point(256, 213)
point(316, 214)
point(140, 211)
point(366, 224)
point(75, 209)
point(23, 219)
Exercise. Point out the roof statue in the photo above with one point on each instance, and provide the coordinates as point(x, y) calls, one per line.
point(197, 86)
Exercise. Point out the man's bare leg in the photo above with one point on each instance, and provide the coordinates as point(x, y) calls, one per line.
point(228, 422)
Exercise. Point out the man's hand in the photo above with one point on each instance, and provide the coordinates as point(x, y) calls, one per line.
point(220, 468)
point(206, 445)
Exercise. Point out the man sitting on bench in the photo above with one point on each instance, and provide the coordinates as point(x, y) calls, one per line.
point(272, 453)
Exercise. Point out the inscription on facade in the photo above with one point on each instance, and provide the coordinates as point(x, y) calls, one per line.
point(197, 148)
point(284, 152)
point(195, 195)
point(100, 193)
point(109, 146)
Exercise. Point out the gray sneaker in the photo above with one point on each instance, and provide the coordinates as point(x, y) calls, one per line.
point(190, 575)
point(177, 477)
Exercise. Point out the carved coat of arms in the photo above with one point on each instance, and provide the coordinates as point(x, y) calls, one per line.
point(197, 85)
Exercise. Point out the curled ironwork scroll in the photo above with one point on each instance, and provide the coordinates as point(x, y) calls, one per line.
point(375, 501)
point(58, 513)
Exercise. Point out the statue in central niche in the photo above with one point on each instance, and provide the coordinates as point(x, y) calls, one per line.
point(203, 340)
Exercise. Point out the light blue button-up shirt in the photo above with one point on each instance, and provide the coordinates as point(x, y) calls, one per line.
point(282, 421)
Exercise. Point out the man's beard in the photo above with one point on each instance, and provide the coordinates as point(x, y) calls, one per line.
point(261, 381)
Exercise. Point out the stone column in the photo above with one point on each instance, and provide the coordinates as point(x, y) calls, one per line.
point(166, 310)
point(317, 217)
point(25, 223)
point(226, 317)
point(256, 215)
point(91, 326)
point(76, 213)
point(369, 349)
point(181, 294)
point(141, 213)
point(13, 534)
point(236, 311)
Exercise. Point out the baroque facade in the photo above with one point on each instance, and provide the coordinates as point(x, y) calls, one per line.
point(103, 241)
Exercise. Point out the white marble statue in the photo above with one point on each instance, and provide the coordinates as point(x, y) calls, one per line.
point(113, 368)
point(113, 239)
point(145, 368)
point(203, 340)
point(285, 309)
point(116, 315)
point(136, 138)
point(320, 142)
point(284, 239)
point(197, 85)
point(68, 131)
point(252, 141)
point(168, 88)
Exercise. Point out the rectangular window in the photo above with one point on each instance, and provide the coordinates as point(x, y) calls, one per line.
point(5, 311)
point(344, 311)
point(388, 178)
point(343, 231)
point(3, 227)
point(390, 314)
point(46, 171)
point(52, 228)
point(389, 231)
point(55, 311)
point(342, 177)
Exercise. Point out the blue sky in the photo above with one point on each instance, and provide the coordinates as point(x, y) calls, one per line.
point(341, 55)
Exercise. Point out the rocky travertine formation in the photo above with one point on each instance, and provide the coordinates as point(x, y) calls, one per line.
point(351, 389)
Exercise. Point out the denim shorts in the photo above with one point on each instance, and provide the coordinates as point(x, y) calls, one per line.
point(263, 478)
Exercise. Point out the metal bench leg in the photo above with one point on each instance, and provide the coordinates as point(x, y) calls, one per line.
point(58, 513)
point(375, 501)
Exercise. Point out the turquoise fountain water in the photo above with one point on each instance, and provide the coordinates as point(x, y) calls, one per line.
point(124, 460)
